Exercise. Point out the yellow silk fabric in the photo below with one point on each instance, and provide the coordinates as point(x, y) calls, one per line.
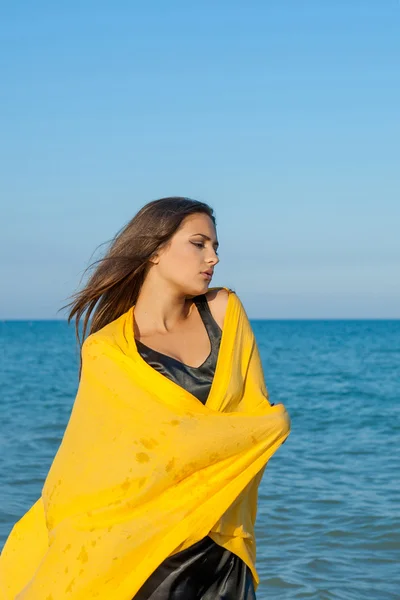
point(145, 469)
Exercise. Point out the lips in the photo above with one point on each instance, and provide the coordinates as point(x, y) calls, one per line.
point(209, 272)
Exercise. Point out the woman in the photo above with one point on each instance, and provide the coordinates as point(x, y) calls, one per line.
point(152, 494)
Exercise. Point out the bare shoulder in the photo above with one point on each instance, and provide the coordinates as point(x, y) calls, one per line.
point(218, 301)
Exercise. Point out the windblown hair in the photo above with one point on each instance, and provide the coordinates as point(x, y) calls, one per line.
point(114, 285)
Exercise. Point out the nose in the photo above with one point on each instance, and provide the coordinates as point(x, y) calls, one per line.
point(214, 258)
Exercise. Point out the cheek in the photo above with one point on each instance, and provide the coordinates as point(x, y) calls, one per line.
point(181, 259)
point(186, 252)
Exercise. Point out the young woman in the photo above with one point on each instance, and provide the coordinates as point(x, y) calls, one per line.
point(152, 494)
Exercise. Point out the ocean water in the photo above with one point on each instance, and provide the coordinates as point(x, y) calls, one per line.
point(328, 523)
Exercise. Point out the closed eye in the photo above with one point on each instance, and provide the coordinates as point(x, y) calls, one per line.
point(200, 245)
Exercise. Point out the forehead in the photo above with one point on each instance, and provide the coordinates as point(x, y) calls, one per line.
point(198, 223)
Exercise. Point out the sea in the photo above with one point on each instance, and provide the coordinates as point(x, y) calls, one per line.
point(328, 521)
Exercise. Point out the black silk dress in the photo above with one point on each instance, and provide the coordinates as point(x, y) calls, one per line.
point(205, 570)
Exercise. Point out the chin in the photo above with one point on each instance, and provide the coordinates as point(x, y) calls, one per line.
point(198, 289)
point(206, 285)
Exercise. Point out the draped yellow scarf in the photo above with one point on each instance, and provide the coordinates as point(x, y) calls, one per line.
point(145, 469)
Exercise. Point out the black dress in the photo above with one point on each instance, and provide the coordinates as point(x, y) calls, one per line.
point(205, 570)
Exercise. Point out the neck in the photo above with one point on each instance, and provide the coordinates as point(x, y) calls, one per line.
point(160, 310)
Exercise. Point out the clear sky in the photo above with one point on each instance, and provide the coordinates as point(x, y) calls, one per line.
point(282, 114)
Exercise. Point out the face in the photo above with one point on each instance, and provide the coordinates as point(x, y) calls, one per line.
point(191, 252)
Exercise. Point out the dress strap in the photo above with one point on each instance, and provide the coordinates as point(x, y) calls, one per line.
point(213, 329)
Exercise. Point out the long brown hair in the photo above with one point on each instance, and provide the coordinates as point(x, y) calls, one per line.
point(115, 283)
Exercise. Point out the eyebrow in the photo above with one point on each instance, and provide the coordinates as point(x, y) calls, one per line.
point(203, 235)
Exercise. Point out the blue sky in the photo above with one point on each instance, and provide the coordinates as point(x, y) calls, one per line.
point(282, 114)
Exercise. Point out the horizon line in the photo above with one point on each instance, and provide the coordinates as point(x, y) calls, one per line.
point(52, 320)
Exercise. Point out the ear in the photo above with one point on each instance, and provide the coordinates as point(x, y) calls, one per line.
point(154, 258)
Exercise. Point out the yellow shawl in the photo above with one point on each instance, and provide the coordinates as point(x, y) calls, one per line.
point(145, 469)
